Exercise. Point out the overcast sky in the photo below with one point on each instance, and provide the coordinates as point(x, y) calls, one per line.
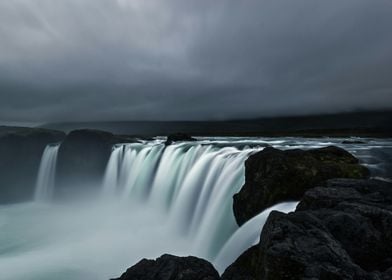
point(83, 60)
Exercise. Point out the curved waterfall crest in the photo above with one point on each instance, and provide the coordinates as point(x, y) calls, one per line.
point(190, 183)
point(193, 183)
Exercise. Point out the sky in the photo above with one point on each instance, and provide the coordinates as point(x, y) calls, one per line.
point(106, 60)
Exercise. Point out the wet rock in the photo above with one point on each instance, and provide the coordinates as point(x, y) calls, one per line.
point(20, 156)
point(340, 230)
point(178, 137)
point(169, 267)
point(273, 176)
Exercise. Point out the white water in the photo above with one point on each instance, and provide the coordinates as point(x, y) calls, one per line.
point(47, 173)
point(175, 200)
point(247, 235)
point(192, 183)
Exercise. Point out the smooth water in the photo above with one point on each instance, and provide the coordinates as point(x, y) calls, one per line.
point(153, 200)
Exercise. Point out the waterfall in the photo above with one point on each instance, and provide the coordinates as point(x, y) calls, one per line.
point(46, 174)
point(193, 183)
point(247, 235)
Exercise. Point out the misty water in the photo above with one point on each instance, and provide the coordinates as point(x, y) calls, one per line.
point(152, 200)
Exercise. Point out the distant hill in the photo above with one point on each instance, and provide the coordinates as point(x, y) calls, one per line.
point(374, 124)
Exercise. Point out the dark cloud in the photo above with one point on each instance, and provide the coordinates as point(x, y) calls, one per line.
point(70, 60)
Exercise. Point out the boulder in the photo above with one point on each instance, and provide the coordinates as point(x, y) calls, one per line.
point(169, 267)
point(273, 176)
point(21, 150)
point(340, 230)
point(178, 137)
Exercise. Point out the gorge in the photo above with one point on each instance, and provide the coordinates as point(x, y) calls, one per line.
point(100, 203)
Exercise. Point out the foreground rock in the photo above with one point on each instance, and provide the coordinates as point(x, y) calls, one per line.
point(82, 159)
point(273, 176)
point(20, 155)
point(178, 137)
point(169, 267)
point(340, 230)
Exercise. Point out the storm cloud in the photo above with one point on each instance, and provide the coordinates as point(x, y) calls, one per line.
point(85, 60)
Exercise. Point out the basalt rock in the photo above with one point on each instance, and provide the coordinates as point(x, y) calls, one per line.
point(169, 267)
point(82, 160)
point(178, 137)
point(20, 155)
point(340, 230)
point(273, 176)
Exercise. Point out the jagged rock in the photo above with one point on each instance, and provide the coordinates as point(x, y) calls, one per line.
point(169, 267)
point(359, 216)
point(273, 176)
point(20, 155)
point(82, 160)
point(340, 230)
point(244, 267)
point(178, 137)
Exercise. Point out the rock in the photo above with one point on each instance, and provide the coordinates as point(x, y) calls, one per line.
point(359, 216)
point(82, 160)
point(20, 156)
point(244, 268)
point(273, 176)
point(169, 267)
point(178, 137)
point(340, 230)
point(353, 142)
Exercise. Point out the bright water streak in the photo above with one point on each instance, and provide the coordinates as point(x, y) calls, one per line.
point(192, 183)
point(47, 173)
point(248, 234)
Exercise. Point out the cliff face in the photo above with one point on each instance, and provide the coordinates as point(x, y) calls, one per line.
point(20, 155)
point(82, 160)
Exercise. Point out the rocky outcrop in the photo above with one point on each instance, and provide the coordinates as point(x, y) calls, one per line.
point(178, 137)
point(20, 155)
point(340, 230)
point(82, 160)
point(169, 267)
point(273, 176)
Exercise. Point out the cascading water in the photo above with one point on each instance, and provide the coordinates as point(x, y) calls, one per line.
point(192, 183)
point(248, 234)
point(155, 200)
point(46, 174)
